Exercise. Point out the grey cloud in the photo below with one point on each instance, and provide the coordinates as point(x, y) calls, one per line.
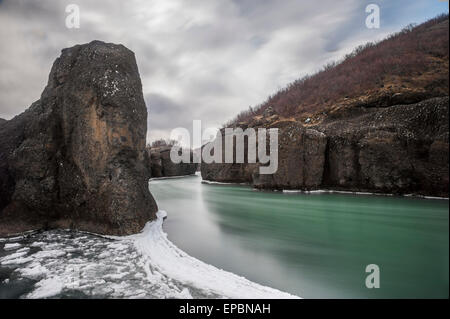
point(160, 104)
point(200, 59)
point(166, 114)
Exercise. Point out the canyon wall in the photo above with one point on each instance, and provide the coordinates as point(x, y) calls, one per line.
point(160, 164)
point(401, 149)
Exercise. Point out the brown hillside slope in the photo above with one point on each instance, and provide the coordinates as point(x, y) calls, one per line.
point(405, 68)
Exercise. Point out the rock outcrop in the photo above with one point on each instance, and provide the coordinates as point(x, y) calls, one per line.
point(75, 158)
point(228, 172)
point(301, 156)
point(400, 149)
point(161, 165)
point(301, 159)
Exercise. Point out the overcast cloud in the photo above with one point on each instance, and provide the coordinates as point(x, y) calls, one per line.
point(204, 60)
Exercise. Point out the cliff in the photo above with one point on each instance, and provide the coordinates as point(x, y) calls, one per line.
point(75, 158)
point(401, 149)
point(160, 164)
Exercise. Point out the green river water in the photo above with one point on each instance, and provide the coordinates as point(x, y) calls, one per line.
point(316, 245)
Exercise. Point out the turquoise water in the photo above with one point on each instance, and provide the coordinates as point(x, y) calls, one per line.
point(314, 246)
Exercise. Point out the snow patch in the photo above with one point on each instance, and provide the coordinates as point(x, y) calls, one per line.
point(171, 177)
point(331, 191)
point(12, 246)
point(204, 181)
point(14, 259)
point(47, 288)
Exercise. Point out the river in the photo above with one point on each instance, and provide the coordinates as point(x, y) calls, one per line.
point(284, 244)
point(312, 245)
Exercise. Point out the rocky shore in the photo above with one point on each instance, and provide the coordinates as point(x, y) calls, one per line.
point(75, 158)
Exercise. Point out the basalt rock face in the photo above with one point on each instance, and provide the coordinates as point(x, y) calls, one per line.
point(75, 158)
point(228, 172)
point(161, 165)
point(401, 149)
point(301, 158)
point(155, 164)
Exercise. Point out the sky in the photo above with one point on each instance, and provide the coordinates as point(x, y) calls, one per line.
point(198, 59)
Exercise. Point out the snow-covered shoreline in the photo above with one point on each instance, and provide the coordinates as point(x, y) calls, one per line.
point(323, 191)
point(170, 177)
point(144, 265)
point(331, 191)
point(171, 261)
point(222, 183)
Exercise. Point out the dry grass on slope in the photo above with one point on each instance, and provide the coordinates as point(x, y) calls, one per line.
point(406, 67)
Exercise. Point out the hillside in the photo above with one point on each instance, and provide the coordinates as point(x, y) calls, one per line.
point(376, 122)
point(407, 67)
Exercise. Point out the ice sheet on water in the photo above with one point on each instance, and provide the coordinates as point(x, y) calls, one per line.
point(146, 265)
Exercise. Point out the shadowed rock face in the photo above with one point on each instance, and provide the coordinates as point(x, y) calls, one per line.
point(301, 158)
point(400, 149)
point(229, 172)
point(161, 165)
point(75, 158)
